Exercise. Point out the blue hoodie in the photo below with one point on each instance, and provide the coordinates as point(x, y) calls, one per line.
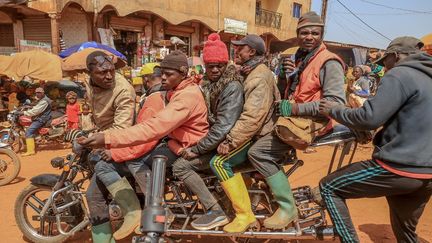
point(403, 107)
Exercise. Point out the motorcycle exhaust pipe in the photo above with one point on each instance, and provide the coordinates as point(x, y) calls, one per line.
point(154, 214)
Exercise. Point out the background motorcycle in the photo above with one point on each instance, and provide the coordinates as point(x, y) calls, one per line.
point(15, 134)
point(10, 164)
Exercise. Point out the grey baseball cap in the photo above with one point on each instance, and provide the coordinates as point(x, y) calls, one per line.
point(253, 41)
point(404, 44)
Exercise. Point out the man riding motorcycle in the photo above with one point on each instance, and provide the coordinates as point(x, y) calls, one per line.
point(113, 103)
point(41, 115)
point(256, 120)
point(224, 98)
point(317, 74)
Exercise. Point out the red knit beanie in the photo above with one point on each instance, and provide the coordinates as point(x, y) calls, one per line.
point(215, 51)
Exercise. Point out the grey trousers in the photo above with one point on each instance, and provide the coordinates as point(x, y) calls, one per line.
point(267, 154)
point(186, 171)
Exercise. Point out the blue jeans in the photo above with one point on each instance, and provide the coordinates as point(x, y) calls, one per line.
point(33, 128)
point(106, 173)
point(109, 171)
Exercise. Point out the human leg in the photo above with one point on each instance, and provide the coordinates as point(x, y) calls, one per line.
point(30, 134)
point(97, 196)
point(406, 210)
point(235, 188)
point(122, 192)
point(359, 180)
point(266, 155)
point(185, 170)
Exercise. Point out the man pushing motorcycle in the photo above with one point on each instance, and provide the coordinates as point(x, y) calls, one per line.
point(41, 115)
point(401, 164)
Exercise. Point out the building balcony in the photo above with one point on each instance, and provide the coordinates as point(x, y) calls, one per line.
point(268, 18)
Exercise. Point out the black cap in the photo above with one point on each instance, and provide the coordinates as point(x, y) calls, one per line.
point(404, 44)
point(254, 42)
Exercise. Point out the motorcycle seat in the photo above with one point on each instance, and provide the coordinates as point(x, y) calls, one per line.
point(340, 134)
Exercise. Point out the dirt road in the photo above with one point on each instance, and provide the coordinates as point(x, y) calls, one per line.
point(369, 215)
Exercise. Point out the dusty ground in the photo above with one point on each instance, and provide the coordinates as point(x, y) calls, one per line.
point(369, 215)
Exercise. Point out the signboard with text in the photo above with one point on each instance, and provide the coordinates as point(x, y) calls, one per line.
point(235, 26)
point(28, 45)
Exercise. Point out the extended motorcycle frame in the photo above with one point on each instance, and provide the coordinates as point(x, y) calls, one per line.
point(312, 220)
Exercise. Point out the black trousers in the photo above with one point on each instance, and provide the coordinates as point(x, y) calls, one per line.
point(407, 197)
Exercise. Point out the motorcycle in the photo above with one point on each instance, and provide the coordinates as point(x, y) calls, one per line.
point(10, 164)
point(52, 209)
point(14, 135)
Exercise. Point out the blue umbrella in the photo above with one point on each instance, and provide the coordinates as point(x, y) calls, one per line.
point(84, 45)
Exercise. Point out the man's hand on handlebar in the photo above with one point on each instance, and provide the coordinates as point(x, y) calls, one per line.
point(96, 140)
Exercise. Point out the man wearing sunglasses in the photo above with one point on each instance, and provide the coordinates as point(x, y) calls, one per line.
point(183, 120)
point(112, 99)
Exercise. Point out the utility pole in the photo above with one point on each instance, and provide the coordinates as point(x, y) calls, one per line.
point(324, 10)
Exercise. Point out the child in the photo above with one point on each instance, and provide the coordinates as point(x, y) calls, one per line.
point(86, 119)
point(72, 110)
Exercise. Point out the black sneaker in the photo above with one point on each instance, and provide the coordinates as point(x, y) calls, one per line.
point(210, 220)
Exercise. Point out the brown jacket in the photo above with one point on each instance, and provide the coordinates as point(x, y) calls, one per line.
point(112, 108)
point(258, 116)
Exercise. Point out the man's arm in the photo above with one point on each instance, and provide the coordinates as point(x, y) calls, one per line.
point(332, 82)
point(37, 109)
point(229, 110)
point(390, 96)
point(161, 124)
point(258, 101)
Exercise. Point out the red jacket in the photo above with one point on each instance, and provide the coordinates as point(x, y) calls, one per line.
point(152, 105)
point(183, 120)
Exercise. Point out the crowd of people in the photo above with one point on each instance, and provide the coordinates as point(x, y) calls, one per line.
point(242, 112)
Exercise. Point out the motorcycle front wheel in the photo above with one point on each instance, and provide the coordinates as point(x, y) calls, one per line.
point(10, 166)
point(28, 206)
point(16, 142)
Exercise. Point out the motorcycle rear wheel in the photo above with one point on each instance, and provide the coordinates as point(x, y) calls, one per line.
point(29, 199)
point(10, 166)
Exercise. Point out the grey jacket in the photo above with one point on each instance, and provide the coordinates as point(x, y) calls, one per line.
point(403, 106)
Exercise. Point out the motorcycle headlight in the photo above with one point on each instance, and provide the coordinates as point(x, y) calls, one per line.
point(9, 117)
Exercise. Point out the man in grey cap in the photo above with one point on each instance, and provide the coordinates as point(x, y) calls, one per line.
point(315, 74)
point(256, 120)
point(401, 164)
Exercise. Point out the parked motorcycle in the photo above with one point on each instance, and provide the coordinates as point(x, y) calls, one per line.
point(52, 209)
point(10, 164)
point(15, 134)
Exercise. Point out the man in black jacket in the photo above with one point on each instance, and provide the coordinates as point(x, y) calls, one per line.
point(224, 98)
point(401, 164)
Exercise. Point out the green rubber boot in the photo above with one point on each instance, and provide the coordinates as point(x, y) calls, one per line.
point(287, 211)
point(126, 198)
point(102, 233)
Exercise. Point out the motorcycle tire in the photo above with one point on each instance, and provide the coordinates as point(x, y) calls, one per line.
point(23, 222)
point(10, 166)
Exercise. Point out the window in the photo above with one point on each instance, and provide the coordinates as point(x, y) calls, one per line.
point(297, 10)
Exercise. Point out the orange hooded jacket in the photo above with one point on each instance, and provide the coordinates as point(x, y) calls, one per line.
point(154, 103)
point(183, 120)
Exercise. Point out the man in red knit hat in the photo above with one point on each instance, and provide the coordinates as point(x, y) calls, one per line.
point(224, 97)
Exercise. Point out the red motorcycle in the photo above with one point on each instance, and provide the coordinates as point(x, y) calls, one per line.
point(14, 135)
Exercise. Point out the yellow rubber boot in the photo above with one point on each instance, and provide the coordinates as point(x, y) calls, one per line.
point(30, 143)
point(236, 190)
point(126, 198)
